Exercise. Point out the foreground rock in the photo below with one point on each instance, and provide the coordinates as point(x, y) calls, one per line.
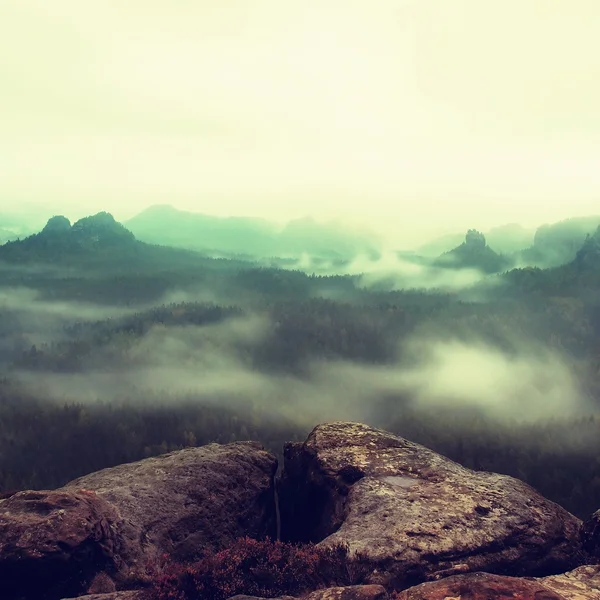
point(581, 584)
point(414, 515)
point(58, 539)
point(590, 534)
point(131, 595)
point(353, 592)
point(52, 544)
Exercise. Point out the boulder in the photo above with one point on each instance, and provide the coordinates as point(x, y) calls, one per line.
point(54, 542)
point(409, 514)
point(119, 520)
point(581, 584)
point(191, 500)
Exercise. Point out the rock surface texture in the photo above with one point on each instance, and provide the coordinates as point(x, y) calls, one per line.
point(412, 515)
point(353, 592)
point(581, 584)
point(128, 595)
point(115, 521)
point(56, 540)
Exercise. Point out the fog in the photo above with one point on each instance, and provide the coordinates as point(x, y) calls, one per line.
point(390, 272)
point(214, 365)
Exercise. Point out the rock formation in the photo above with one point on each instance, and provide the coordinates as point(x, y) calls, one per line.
point(413, 521)
point(581, 584)
point(118, 519)
point(411, 514)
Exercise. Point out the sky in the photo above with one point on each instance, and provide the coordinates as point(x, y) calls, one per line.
point(414, 117)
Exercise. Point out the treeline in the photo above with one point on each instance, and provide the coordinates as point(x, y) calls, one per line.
point(44, 444)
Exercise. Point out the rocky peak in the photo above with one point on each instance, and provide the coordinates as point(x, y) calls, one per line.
point(57, 224)
point(101, 227)
point(475, 240)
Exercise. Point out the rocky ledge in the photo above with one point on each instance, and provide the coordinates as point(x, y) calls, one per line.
point(411, 515)
point(116, 521)
point(415, 524)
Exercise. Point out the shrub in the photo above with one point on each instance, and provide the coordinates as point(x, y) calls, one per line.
point(254, 568)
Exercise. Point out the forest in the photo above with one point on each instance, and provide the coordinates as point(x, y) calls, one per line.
point(112, 350)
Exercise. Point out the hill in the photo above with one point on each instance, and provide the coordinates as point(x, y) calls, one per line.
point(504, 239)
point(473, 253)
point(60, 239)
point(246, 237)
point(165, 225)
point(558, 243)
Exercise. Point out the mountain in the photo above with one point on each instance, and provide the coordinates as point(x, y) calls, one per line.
point(249, 237)
point(61, 239)
point(473, 253)
point(580, 277)
point(97, 240)
point(504, 239)
point(165, 225)
point(558, 243)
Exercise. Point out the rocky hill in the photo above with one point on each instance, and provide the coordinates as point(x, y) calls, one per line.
point(473, 253)
point(377, 515)
point(239, 236)
point(59, 239)
point(504, 239)
point(558, 243)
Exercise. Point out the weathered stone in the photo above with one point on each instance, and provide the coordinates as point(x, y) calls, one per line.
point(124, 595)
point(411, 515)
point(480, 586)
point(54, 541)
point(352, 592)
point(118, 520)
point(188, 501)
point(581, 584)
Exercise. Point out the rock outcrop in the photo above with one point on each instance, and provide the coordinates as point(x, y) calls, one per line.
point(117, 520)
point(54, 541)
point(57, 225)
point(473, 253)
point(411, 515)
point(581, 584)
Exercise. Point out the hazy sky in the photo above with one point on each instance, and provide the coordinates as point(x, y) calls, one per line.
point(410, 115)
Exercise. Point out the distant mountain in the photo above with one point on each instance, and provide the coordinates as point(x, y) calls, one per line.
point(504, 239)
point(59, 239)
point(558, 243)
point(580, 277)
point(246, 236)
point(165, 225)
point(473, 253)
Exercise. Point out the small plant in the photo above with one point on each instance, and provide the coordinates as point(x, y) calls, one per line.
point(254, 568)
